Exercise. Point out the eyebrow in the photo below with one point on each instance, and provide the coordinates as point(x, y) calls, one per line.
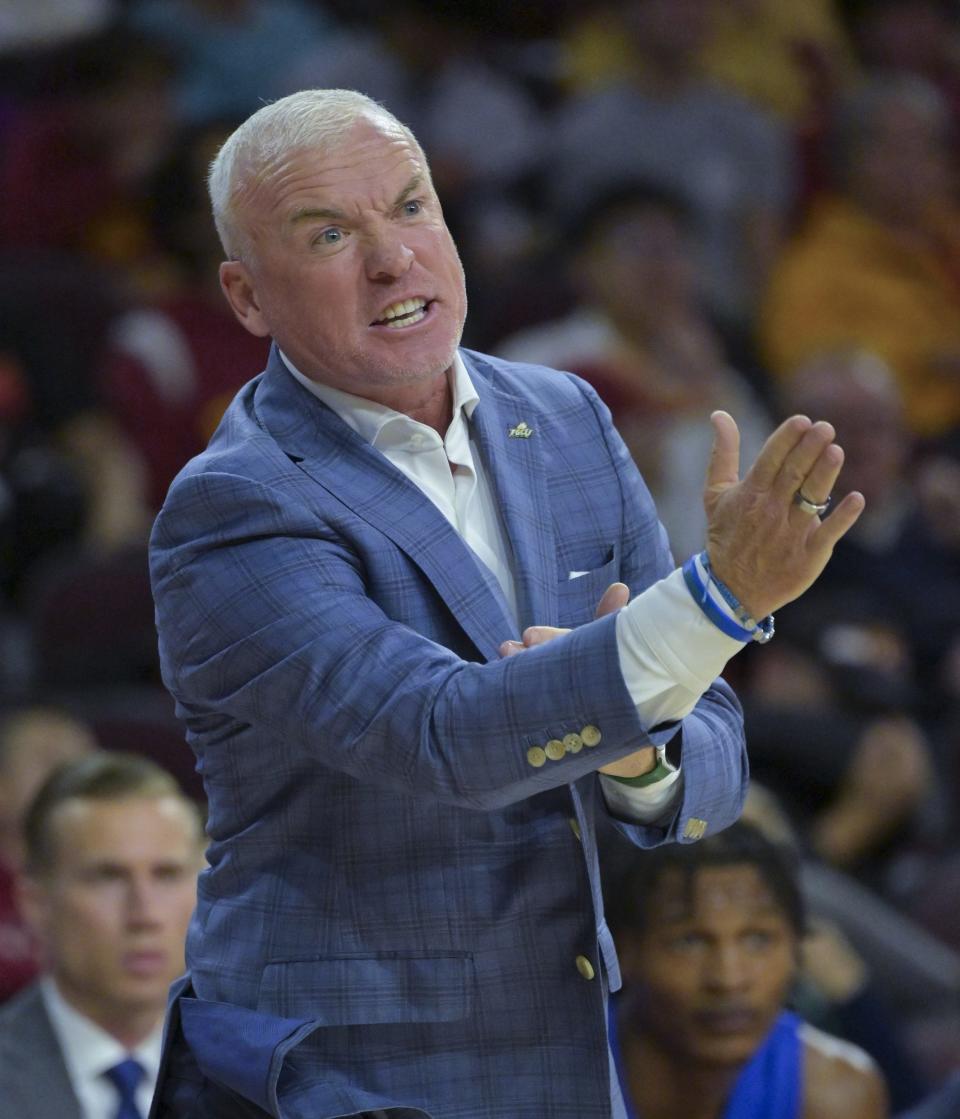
point(415, 183)
point(313, 213)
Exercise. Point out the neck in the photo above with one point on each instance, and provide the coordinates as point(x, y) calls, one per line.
point(430, 404)
point(634, 328)
point(896, 218)
point(131, 1026)
point(665, 1084)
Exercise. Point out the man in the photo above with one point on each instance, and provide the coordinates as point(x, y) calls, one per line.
point(871, 267)
point(709, 940)
point(113, 850)
point(402, 909)
point(642, 338)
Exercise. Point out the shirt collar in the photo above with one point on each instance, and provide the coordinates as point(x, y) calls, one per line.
point(88, 1051)
point(368, 419)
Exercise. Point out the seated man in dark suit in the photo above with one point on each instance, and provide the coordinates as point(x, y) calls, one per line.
point(113, 851)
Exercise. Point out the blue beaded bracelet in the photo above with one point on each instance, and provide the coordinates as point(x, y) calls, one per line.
point(698, 575)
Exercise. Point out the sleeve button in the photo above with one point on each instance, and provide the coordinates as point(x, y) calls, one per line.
point(555, 749)
point(536, 756)
point(591, 735)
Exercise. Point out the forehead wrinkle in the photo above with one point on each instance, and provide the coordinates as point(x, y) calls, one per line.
point(268, 188)
point(333, 213)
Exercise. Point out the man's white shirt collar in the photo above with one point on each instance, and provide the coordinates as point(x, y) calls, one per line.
point(88, 1051)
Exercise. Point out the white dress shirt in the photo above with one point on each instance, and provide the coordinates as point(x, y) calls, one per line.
point(670, 652)
point(88, 1051)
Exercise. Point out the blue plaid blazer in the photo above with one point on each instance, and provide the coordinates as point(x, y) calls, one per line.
point(402, 907)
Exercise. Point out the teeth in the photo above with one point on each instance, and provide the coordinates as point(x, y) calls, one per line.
point(409, 310)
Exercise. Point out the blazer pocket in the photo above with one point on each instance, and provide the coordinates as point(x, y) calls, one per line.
point(577, 598)
point(371, 989)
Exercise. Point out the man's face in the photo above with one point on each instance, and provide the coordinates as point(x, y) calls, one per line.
point(112, 912)
point(672, 30)
point(638, 264)
point(713, 965)
point(351, 267)
point(904, 167)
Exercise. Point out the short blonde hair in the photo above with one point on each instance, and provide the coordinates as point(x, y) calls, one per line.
point(106, 775)
point(311, 118)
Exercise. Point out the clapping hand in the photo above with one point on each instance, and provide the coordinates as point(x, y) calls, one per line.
point(765, 540)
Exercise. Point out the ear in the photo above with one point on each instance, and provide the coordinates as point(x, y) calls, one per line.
point(238, 287)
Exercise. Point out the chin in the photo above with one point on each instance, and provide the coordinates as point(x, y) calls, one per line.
point(725, 1051)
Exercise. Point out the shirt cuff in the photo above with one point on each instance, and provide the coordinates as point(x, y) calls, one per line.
point(643, 805)
point(670, 652)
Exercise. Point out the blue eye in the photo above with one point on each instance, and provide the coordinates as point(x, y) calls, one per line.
point(332, 236)
point(759, 939)
point(687, 942)
point(414, 206)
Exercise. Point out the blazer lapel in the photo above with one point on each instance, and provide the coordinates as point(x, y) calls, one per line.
point(515, 462)
point(335, 457)
point(40, 1065)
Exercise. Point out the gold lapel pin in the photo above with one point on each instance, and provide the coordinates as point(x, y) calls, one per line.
point(520, 431)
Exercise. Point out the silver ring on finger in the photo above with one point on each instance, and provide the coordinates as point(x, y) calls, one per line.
point(815, 508)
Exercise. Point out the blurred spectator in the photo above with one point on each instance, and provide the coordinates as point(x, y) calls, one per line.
point(232, 55)
point(434, 70)
point(785, 55)
point(853, 769)
point(668, 124)
point(641, 338)
point(776, 53)
point(173, 365)
point(899, 568)
point(919, 37)
point(709, 939)
point(27, 24)
point(75, 161)
point(853, 719)
point(877, 265)
point(33, 742)
point(113, 851)
point(71, 478)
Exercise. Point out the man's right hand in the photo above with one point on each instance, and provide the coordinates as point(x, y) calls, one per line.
point(765, 547)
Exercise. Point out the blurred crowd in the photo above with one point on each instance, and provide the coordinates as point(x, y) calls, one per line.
point(693, 204)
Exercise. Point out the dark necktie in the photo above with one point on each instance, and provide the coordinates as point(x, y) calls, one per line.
point(125, 1077)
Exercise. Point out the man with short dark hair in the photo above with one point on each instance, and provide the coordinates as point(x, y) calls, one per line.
point(113, 850)
point(709, 939)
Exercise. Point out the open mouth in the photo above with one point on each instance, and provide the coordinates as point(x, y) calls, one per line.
point(405, 313)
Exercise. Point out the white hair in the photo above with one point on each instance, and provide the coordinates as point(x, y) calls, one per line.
point(314, 118)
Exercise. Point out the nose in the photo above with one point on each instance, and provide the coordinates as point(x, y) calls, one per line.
point(144, 903)
point(387, 257)
point(727, 969)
